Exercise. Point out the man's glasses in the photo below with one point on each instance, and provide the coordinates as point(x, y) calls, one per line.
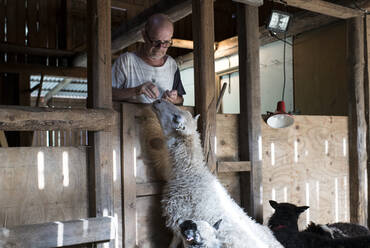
point(159, 43)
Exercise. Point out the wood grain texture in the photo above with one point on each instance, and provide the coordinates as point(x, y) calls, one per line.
point(250, 109)
point(59, 233)
point(101, 196)
point(204, 76)
point(307, 164)
point(32, 118)
point(128, 177)
point(357, 122)
point(326, 8)
point(42, 185)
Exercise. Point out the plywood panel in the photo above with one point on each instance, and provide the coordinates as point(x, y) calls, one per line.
point(42, 184)
point(307, 164)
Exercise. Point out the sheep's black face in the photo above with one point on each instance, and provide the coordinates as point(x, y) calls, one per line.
point(285, 214)
point(190, 233)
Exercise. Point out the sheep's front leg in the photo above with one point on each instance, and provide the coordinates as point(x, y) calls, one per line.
point(176, 240)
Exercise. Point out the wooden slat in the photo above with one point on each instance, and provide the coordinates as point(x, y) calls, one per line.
point(99, 68)
point(147, 189)
point(251, 2)
point(357, 122)
point(367, 106)
point(52, 27)
point(325, 8)
point(11, 35)
point(58, 234)
point(250, 109)
point(13, 48)
point(128, 176)
point(233, 166)
point(77, 72)
point(22, 118)
point(204, 76)
point(3, 141)
point(21, 23)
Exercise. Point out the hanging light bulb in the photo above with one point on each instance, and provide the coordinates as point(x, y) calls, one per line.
point(280, 118)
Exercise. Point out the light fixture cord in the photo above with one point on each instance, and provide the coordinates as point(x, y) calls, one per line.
point(282, 98)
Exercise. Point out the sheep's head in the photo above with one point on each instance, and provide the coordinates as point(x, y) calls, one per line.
point(174, 120)
point(286, 214)
point(199, 234)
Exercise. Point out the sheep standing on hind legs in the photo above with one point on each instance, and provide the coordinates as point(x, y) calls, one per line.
point(193, 193)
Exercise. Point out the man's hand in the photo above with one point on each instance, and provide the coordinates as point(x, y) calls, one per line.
point(148, 89)
point(170, 96)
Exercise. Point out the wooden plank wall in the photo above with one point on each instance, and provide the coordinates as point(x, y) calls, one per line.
point(307, 164)
point(42, 185)
point(320, 71)
point(321, 166)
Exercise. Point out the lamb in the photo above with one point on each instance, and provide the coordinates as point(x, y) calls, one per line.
point(284, 225)
point(193, 193)
point(199, 234)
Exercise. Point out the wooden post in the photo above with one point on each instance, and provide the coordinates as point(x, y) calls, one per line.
point(356, 122)
point(204, 76)
point(367, 107)
point(100, 96)
point(128, 176)
point(250, 110)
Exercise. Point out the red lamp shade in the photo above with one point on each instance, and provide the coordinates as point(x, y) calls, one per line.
point(280, 118)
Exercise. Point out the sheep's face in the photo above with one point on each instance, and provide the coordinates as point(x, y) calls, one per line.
point(285, 214)
point(174, 120)
point(199, 234)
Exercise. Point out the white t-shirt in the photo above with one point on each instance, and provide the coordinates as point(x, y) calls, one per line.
point(129, 71)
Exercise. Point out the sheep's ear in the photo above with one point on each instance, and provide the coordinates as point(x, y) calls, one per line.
point(196, 117)
point(273, 204)
point(302, 209)
point(217, 224)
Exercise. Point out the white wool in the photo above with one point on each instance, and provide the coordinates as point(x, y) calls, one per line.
point(192, 192)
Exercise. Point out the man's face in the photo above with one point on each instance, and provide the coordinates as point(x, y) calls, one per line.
point(158, 41)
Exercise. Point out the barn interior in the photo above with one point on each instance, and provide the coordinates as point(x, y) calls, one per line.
point(78, 169)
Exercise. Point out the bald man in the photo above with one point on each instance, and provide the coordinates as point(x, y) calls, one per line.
point(149, 74)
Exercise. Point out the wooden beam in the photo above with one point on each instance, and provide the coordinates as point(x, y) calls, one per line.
point(233, 166)
point(24, 118)
point(59, 233)
point(17, 49)
point(367, 108)
point(147, 189)
point(356, 122)
point(204, 76)
point(250, 110)
point(128, 176)
point(99, 69)
point(76, 72)
point(256, 3)
point(56, 89)
point(302, 23)
point(3, 141)
point(325, 8)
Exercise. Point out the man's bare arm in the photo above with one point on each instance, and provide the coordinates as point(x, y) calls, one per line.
point(147, 88)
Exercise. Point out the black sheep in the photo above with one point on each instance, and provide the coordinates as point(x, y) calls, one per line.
point(284, 225)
